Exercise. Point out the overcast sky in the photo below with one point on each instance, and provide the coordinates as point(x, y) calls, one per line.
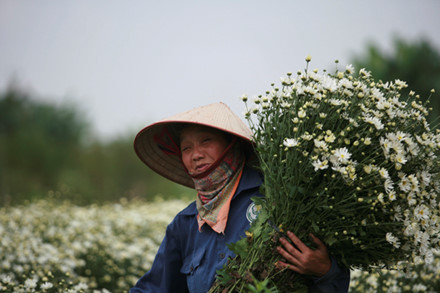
point(128, 63)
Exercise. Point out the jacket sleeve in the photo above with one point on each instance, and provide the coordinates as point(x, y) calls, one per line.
point(336, 280)
point(164, 276)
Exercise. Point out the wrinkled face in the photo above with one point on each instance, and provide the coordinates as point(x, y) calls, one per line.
point(201, 147)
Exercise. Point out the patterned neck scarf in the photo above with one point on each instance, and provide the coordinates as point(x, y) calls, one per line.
point(216, 189)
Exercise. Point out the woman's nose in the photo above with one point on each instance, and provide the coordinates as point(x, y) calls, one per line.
point(197, 154)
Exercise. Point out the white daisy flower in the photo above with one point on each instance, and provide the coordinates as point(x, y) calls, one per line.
point(384, 173)
point(329, 137)
point(345, 83)
point(425, 177)
point(363, 72)
point(30, 283)
point(393, 240)
point(421, 212)
point(349, 68)
point(320, 144)
point(405, 184)
point(329, 83)
point(412, 201)
point(335, 102)
point(46, 285)
point(320, 165)
point(400, 84)
point(400, 158)
point(377, 94)
point(342, 154)
point(290, 142)
point(388, 185)
point(307, 136)
point(374, 121)
point(414, 183)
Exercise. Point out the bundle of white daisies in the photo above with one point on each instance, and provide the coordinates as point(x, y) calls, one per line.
point(351, 160)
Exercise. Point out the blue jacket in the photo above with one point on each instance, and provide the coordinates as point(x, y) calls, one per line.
point(187, 260)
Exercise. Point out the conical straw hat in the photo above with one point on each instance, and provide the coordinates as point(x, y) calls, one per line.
point(155, 143)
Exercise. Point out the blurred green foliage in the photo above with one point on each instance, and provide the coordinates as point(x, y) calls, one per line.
point(417, 63)
point(48, 151)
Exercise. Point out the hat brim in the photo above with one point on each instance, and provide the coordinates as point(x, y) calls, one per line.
point(217, 116)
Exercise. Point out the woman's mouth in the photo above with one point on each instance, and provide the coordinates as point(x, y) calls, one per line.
point(201, 168)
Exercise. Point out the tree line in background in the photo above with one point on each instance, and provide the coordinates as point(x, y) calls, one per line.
point(47, 150)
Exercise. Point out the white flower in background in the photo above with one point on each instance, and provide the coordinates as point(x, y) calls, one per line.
point(290, 142)
point(363, 72)
point(414, 183)
point(385, 144)
point(429, 257)
point(46, 285)
point(342, 154)
point(393, 240)
point(302, 113)
point(377, 94)
point(419, 288)
point(425, 177)
point(335, 102)
point(345, 83)
point(286, 80)
point(400, 158)
point(329, 83)
point(401, 136)
point(381, 104)
point(400, 84)
point(306, 136)
point(413, 148)
point(30, 283)
point(380, 198)
point(320, 144)
point(320, 165)
point(285, 105)
point(81, 286)
point(389, 188)
point(6, 279)
point(405, 184)
point(373, 120)
point(368, 169)
point(349, 68)
point(421, 212)
point(398, 213)
point(329, 137)
point(412, 201)
point(384, 173)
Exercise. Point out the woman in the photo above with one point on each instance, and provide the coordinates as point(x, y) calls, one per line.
point(209, 148)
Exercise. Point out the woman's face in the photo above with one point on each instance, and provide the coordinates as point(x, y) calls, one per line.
point(201, 147)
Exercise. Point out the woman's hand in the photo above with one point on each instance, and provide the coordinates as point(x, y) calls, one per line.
point(302, 259)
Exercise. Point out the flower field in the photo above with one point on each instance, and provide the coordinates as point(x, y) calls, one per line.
point(59, 247)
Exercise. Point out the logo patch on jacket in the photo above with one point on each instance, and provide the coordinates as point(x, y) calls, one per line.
point(252, 212)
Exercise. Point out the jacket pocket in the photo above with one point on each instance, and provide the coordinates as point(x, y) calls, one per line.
point(191, 268)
